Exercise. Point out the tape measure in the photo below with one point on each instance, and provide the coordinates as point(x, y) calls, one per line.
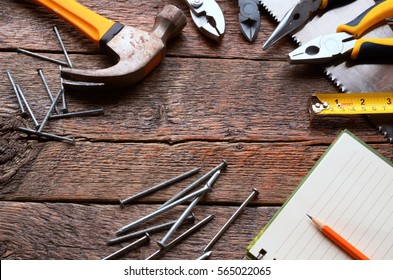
point(351, 103)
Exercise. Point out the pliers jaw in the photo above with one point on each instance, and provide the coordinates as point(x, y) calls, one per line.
point(323, 48)
point(208, 17)
point(249, 18)
point(295, 18)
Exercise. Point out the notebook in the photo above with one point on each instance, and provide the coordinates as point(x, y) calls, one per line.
point(350, 189)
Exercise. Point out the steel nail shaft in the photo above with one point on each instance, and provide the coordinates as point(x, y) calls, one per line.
point(93, 112)
point(129, 248)
point(222, 165)
point(205, 256)
point(62, 47)
point(48, 91)
point(22, 108)
point(181, 237)
point(50, 111)
point(28, 108)
point(159, 186)
point(44, 134)
point(42, 57)
point(142, 232)
point(166, 208)
point(229, 222)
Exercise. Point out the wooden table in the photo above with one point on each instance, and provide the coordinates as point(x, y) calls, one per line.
point(205, 103)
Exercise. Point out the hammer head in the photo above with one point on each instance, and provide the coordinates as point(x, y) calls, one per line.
point(136, 52)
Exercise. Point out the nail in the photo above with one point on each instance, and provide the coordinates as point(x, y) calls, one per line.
point(93, 112)
point(162, 210)
point(47, 89)
point(176, 225)
point(188, 210)
point(22, 108)
point(205, 256)
point(129, 248)
point(150, 230)
point(159, 186)
point(41, 57)
point(48, 135)
point(50, 111)
point(64, 108)
point(28, 108)
point(62, 46)
point(181, 237)
point(228, 223)
point(222, 165)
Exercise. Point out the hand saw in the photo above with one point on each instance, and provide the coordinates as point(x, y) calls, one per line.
point(349, 78)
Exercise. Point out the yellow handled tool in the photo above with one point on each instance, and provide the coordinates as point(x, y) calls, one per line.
point(93, 25)
point(351, 103)
point(325, 48)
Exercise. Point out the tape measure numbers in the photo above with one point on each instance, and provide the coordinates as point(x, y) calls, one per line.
point(351, 103)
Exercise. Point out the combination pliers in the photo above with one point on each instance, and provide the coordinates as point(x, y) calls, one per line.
point(326, 48)
point(298, 16)
point(208, 17)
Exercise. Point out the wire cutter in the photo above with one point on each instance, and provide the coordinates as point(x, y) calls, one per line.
point(249, 18)
point(298, 15)
point(208, 17)
point(326, 48)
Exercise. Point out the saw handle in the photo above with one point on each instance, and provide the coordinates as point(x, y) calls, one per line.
point(93, 25)
point(369, 18)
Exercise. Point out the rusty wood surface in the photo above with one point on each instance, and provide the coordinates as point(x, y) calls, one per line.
point(206, 102)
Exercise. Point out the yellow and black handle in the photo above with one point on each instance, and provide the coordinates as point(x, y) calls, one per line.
point(330, 4)
point(96, 27)
point(366, 48)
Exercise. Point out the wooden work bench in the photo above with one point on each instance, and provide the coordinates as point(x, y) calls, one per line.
point(206, 102)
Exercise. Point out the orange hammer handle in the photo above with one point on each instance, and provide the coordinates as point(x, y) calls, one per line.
point(93, 25)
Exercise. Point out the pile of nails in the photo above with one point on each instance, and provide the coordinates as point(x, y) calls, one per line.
point(183, 196)
point(53, 112)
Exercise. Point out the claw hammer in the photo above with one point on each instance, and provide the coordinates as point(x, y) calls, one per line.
point(135, 51)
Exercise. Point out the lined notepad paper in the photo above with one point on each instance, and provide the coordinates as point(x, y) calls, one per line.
point(351, 190)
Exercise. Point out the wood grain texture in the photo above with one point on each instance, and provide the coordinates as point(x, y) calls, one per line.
point(74, 231)
point(206, 102)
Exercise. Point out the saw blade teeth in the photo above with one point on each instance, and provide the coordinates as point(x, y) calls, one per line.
point(335, 81)
point(270, 12)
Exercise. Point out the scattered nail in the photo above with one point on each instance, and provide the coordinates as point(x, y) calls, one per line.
point(22, 108)
point(41, 57)
point(228, 223)
point(62, 47)
point(93, 112)
point(20, 92)
point(44, 134)
point(129, 248)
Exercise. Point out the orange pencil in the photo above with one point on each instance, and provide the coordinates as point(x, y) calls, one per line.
point(338, 240)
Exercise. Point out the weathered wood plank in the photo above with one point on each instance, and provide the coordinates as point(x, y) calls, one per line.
point(30, 26)
point(234, 100)
point(72, 231)
point(107, 172)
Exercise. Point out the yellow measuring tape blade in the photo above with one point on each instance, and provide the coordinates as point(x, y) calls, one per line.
point(351, 103)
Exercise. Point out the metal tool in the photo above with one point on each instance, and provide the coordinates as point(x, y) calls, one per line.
point(62, 46)
point(197, 193)
point(48, 91)
point(181, 237)
point(196, 183)
point(205, 256)
point(144, 240)
point(298, 16)
point(150, 230)
point(348, 77)
point(249, 18)
point(351, 103)
point(231, 219)
point(29, 131)
point(32, 54)
point(329, 47)
point(27, 105)
point(208, 17)
point(160, 186)
point(21, 106)
point(136, 52)
point(179, 221)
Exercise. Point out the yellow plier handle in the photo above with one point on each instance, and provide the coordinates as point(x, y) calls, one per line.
point(93, 25)
point(370, 48)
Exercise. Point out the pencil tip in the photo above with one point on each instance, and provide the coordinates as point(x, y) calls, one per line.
point(309, 216)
